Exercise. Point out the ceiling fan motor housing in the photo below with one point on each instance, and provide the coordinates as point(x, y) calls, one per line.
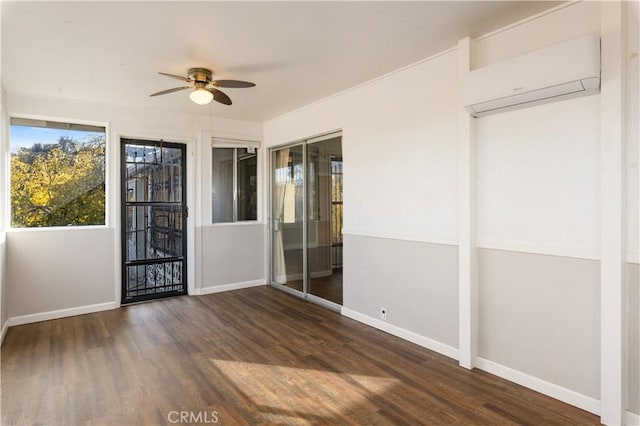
point(200, 75)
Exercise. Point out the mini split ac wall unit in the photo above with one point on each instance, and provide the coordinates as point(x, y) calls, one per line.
point(562, 71)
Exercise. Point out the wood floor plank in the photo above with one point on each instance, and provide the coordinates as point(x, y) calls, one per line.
point(253, 356)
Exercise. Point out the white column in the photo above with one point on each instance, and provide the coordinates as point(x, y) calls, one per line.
point(5, 165)
point(467, 270)
point(612, 351)
point(113, 202)
point(200, 211)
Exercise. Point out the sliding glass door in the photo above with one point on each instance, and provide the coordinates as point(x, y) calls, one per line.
point(306, 218)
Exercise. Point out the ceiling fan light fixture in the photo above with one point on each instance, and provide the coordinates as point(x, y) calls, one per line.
point(204, 88)
point(201, 96)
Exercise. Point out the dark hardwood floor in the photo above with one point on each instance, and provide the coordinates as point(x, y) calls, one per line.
point(328, 287)
point(254, 356)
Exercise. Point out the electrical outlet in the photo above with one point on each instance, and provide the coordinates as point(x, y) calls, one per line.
point(383, 313)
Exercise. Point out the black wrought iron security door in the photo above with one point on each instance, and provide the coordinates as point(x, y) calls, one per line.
point(154, 220)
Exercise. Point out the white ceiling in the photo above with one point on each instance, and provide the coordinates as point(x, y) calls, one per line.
point(296, 52)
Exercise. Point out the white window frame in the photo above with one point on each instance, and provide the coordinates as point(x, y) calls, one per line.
point(107, 174)
point(222, 142)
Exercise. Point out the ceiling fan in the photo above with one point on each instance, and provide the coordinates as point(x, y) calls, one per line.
point(205, 88)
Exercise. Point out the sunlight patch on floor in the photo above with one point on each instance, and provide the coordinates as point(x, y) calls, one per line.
point(290, 394)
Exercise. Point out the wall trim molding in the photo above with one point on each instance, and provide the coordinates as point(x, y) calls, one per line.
point(551, 250)
point(61, 313)
point(402, 333)
point(576, 399)
point(5, 327)
point(513, 246)
point(420, 238)
point(527, 20)
point(229, 287)
point(632, 419)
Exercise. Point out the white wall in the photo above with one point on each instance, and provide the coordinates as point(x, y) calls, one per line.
point(3, 215)
point(3, 285)
point(538, 192)
point(540, 315)
point(632, 153)
point(633, 338)
point(3, 205)
point(413, 280)
point(538, 168)
point(538, 183)
point(633, 132)
point(58, 269)
point(398, 144)
point(52, 270)
point(403, 125)
point(230, 255)
point(537, 206)
point(233, 255)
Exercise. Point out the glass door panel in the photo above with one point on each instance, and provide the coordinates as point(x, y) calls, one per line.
point(287, 205)
point(324, 224)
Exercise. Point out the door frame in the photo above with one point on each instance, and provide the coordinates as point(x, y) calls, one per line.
point(192, 169)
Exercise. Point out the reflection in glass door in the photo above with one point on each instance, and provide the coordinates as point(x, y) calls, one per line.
point(324, 169)
point(153, 220)
point(288, 217)
point(306, 213)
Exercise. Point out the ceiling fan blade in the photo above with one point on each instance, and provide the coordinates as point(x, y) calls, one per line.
point(220, 96)
point(236, 84)
point(178, 77)
point(175, 89)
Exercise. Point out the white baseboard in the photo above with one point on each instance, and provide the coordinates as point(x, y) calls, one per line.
point(61, 313)
point(5, 327)
point(632, 419)
point(576, 399)
point(425, 342)
point(229, 287)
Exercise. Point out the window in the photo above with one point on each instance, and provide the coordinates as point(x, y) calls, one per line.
point(336, 212)
point(234, 182)
point(57, 174)
point(336, 200)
